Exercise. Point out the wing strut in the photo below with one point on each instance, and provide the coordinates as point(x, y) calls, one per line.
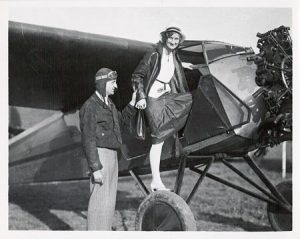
point(266, 181)
point(180, 174)
point(212, 158)
point(139, 182)
point(275, 198)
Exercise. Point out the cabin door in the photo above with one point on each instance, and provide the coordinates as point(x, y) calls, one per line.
point(215, 110)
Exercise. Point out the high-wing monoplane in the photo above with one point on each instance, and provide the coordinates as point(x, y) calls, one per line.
point(241, 103)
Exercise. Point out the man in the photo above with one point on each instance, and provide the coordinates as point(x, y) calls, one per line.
point(101, 138)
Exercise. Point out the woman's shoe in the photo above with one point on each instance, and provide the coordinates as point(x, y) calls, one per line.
point(161, 188)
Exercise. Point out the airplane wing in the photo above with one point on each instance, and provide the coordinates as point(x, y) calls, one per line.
point(54, 69)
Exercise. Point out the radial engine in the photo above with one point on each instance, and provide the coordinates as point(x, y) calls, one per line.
point(274, 74)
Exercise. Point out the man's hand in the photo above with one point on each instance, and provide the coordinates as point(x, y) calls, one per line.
point(141, 104)
point(98, 177)
point(133, 98)
point(187, 65)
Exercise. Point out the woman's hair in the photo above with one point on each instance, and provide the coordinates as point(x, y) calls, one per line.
point(166, 35)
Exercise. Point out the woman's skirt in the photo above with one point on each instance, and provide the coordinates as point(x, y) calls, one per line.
point(167, 114)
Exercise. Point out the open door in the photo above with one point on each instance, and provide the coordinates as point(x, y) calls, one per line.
point(215, 110)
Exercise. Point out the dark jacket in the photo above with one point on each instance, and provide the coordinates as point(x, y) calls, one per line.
point(100, 127)
point(148, 69)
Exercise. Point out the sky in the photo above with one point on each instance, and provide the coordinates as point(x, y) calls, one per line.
point(235, 25)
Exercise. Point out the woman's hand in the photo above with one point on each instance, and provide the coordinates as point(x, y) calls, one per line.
point(187, 65)
point(141, 104)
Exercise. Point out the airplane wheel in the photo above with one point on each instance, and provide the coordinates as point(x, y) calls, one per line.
point(164, 211)
point(279, 218)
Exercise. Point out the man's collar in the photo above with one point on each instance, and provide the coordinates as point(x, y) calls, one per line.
point(99, 95)
point(104, 100)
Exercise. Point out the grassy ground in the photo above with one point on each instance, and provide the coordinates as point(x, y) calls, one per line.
point(62, 206)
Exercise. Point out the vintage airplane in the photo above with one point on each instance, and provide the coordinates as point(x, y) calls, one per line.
point(241, 103)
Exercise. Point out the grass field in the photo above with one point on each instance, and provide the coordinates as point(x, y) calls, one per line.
point(63, 206)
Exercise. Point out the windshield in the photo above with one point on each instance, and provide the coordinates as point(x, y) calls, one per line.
point(217, 50)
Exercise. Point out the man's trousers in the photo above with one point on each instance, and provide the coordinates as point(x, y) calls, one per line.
point(102, 200)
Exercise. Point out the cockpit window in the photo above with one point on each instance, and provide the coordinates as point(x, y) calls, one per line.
point(217, 50)
point(192, 54)
point(195, 48)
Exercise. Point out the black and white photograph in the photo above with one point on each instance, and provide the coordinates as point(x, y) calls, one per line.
point(158, 116)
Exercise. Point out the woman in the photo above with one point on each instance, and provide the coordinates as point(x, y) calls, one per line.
point(163, 92)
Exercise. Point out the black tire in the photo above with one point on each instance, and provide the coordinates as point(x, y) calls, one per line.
point(164, 211)
point(280, 219)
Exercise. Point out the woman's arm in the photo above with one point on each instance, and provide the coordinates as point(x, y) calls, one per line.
point(139, 75)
